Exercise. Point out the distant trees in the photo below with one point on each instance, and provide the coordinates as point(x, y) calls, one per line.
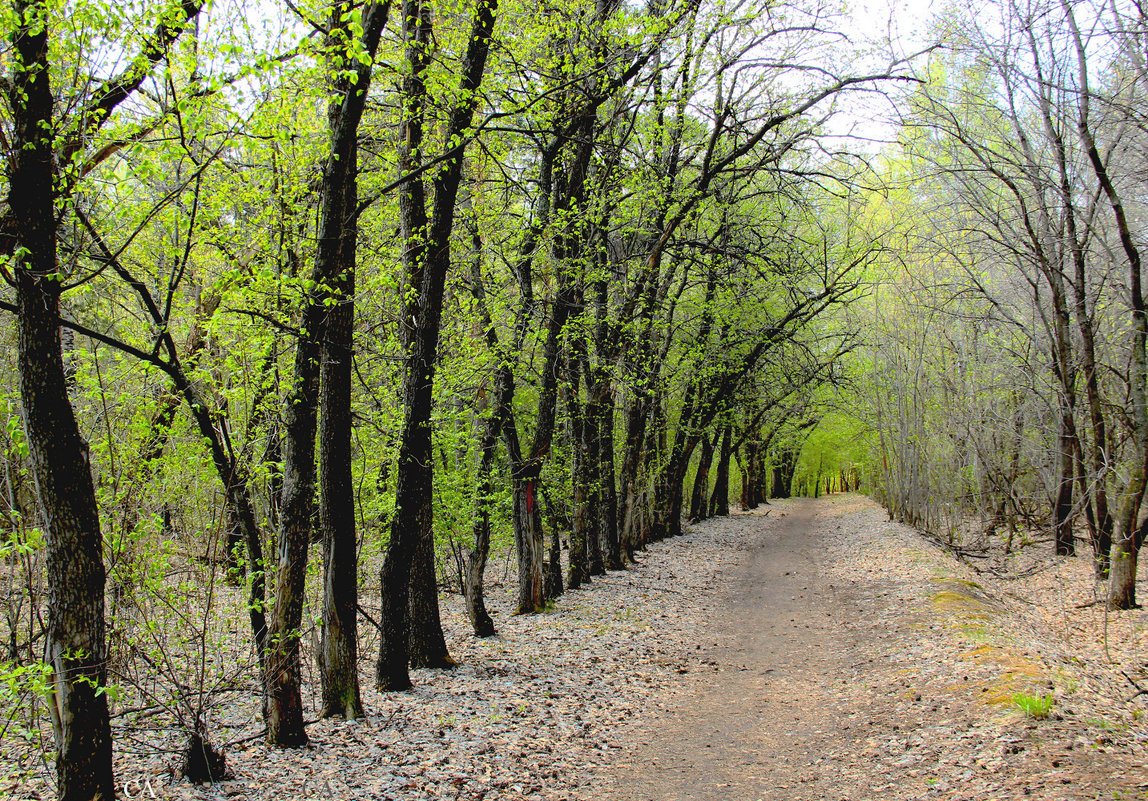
point(1035, 279)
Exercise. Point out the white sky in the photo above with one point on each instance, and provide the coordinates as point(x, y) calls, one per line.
point(884, 29)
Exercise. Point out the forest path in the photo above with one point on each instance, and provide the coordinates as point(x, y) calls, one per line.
point(805, 651)
point(763, 709)
point(846, 658)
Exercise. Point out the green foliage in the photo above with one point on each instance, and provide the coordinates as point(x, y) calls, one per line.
point(25, 690)
point(1037, 707)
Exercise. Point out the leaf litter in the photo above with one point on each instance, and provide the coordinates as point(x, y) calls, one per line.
point(914, 700)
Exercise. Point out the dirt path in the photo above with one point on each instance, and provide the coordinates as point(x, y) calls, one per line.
point(755, 723)
point(849, 660)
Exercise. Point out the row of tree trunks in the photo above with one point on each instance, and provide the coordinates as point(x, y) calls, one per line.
point(426, 258)
point(1129, 534)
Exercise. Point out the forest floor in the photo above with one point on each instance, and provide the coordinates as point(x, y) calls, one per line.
point(808, 650)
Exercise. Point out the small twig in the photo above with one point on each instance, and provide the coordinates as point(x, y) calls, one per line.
point(1139, 690)
point(261, 733)
point(657, 589)
point(370, 619)
point(256, 736)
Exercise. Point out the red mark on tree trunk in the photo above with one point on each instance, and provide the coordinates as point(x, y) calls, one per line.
point(529, 497)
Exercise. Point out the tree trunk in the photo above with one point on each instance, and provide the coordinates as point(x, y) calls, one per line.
point(476, 560)
point(1063, 512)
point(719, 501)
point(528, 532)
point(528, 540)
point(592, 483)
point(552, 583)
point(428, 643)
point(582, 528)
point(426, 257)
point(336, 261)
point(629, 493)
point(284, 703)
point(75, 643)
point(332, 275)
point(698, 506)
point(783, 474)
point(493, 425)
point(338, 643)
point(608, 506)
point(1126, 548)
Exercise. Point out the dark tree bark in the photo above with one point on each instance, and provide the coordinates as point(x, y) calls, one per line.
point(338, 644)
point(603, 411)
point(297, 515)
point(284, 704)
point(582, 528)
point(75, 650)
point(698, 506)
point(529, 534)
point(629, 494)
point(1063, 511)
point(335, 262)
point(558, 512)
point(592, 484)
point(785, 462)
point(600, 410)
point(719, 501)
point(476, 561)
point(426, 256)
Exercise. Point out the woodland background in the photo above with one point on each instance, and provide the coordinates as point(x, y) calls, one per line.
point(311, 310)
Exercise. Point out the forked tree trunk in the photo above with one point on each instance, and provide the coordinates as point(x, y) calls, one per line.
point(427, 258)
